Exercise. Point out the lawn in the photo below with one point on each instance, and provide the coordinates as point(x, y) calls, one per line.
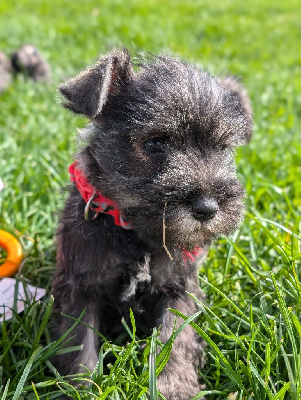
point(252, 280)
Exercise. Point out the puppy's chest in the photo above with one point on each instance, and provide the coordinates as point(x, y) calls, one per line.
point(149, 278)
point(136, 280)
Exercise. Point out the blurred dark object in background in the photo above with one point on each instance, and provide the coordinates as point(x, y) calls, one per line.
point(28, 60)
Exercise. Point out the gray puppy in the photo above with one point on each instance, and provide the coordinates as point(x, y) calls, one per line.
point(155, 182)
point(28, 60)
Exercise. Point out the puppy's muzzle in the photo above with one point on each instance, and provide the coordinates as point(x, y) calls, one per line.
point(204, 208)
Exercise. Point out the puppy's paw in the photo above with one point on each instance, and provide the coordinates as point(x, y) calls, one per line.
point(176, 389)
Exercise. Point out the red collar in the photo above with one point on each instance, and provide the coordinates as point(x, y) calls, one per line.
point(101, 204)
point(192, 255)
point(94, 199)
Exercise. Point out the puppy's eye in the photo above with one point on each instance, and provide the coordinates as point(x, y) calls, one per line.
point(155, 145)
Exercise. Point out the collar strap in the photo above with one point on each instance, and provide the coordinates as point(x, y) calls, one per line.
point(95, 201)
point(192, 255)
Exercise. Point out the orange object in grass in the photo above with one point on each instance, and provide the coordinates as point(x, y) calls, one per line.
point(14, 254)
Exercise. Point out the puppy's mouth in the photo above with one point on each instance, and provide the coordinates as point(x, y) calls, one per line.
point(190, 221)
point(200, 224)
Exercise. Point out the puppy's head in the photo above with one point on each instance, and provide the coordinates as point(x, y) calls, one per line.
point(160, 138)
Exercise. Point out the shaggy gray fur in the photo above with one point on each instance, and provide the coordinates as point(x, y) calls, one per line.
point(164, 135)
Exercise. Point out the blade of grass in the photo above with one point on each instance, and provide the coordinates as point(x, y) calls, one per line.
point(39, 333)
point(152, 366)
point(238, 310)
point(3, 397)
point(25, 373)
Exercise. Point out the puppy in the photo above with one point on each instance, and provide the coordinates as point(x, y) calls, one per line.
point(154, 185)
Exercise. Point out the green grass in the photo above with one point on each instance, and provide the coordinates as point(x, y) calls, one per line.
point(252, 281)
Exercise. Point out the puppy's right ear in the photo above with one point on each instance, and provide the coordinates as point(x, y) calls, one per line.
point(87, 93)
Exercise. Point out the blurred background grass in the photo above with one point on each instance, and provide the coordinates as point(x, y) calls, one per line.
point(259, 41)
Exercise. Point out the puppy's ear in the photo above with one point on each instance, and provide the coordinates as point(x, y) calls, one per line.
point(87, 92)
point(232, 83)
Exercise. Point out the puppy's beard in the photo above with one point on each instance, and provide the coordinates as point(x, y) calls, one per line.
point(182, 228)
point(188, 233)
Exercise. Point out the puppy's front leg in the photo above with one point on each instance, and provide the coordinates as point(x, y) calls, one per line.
point(179, 379)
point(73, 304)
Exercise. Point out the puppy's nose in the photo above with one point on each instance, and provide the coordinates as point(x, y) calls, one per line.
point(204, 208)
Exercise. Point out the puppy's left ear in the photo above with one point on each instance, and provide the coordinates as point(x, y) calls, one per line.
point(87, 93)
point(232, 83)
